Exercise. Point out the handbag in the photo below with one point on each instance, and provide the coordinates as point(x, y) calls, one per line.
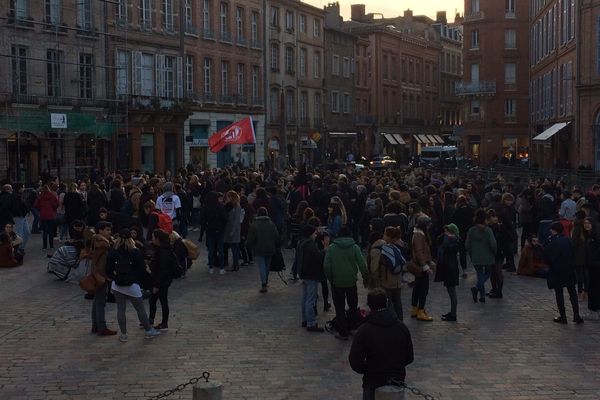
point(91, 282)
point(414, 269)
point(277, 262)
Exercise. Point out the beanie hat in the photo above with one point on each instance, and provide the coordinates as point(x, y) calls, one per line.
point(453, 229)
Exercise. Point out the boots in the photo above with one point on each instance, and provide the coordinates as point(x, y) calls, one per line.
point(422, 315)
point(413, 312)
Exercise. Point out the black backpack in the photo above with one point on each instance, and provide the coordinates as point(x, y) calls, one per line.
point(124, 274)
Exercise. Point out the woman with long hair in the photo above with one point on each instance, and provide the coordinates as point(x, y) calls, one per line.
point(213, 219)
point(232, 236)
point(125, 267)
point(337, 216)
point(47, 204)
point(163, 260)
point(421, 256)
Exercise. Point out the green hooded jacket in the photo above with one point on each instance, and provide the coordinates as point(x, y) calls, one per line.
point(343, 260)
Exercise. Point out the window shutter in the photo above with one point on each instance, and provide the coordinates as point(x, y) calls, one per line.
point(179, 77)
point(136, 62)
point(160, 75)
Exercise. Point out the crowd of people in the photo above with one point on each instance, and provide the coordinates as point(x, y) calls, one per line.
point(340, 224)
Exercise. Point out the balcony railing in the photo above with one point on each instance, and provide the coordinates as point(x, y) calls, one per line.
point(256, 44)
point(475, 88)
point(190, 29)
point(209, 97)
point(240, 99)
point(18, 21)
point(225, 37)
point(257, 101)
point(226, 99)
point(241, 41)
point(474, 16)
point(208, 34)
point(419, 122)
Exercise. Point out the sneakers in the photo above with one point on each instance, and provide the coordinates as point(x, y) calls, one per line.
point(221, 271)
point(560, 320)
point(123, 338)
point(106, 332)
point(162, 327)
point(449, 317)
point(151, 333)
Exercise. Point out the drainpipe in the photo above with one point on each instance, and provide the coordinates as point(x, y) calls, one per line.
point(578, 83)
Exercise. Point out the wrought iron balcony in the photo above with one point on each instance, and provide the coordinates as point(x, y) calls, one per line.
point(241, 41)
point(481, 88)
point(190, 29)
point(208, 34)
point(225, 37)
point(474, 16)
point(256, 44)
point(257, 101)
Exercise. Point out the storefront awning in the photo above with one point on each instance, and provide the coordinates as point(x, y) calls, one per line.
point(390, 138)
point(399, 138)
point(553, 130)
point(342, 134)
point(417, 139)
point(432, 139)
point(438, 139)
point(425, 139)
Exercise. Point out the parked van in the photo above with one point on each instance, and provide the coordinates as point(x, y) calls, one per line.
point(431, 155)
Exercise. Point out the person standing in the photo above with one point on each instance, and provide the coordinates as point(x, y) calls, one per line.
point(163, 260)
point(421, 253)
point(481, 247)
point(559, 255)
point(74, 205)
point(343, 261)
point(311, 272)
point(47, 204)
point(6, 216)
point(101, 243)
point(19, 211)
point(447, 267)
point(125, 266)
point(213, 220)
point(382, 346)
point(264, 240)
point(592, 265)
point(503, 237)
point(232, 235)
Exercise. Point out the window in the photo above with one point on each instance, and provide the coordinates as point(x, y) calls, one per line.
point(84, 14)
point(254, 23)
point(144, 68)
point(86, 72)
point(317, 106)
point(302, 23)
point(510, 73)
point(53, 8)
point(274, 16)
point(303, 55)
point(335, 101)
point(289, 20)
point(474, 6)
point(274, 105)
point(146, 14)
point(19, 69)
point(189, 75)
point(167, 11)
point(290, 106)
point(346, 67)
point(169, 78)
point(384, 67)
point(317, 65)
point(475, 39)
point(274, 57)
point(303, 108)
point(53, 78)
point(475, 107)
point(224, 26)
point(19, 8)
point(509, 8)
point(239, 25)
point(224, 78)
point(122, 72)
point(289, 60)
point(188, 16)
point(317, 28)
point(240, 80)
point(335, 65)
point(206, 25)
point(510, 39)
point(346, 103)
point(255, 83)
point(510, 108)
point(207, 77)
point(474, 72)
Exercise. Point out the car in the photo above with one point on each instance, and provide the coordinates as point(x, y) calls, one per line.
point(381, 162)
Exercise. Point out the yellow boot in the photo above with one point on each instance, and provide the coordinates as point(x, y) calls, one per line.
point(422, 315)
point(413, 312)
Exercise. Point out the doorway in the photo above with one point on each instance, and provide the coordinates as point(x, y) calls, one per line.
point(23, 157)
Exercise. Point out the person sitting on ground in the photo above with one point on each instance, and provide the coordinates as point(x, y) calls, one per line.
point(382, 346)
point(532, 261)
point(16, 242)
point(7, 252)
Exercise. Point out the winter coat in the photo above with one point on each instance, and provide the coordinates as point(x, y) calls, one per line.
point(74, 207)
point(116, 199)
point(420, 248)
point(311, 260)
point(503, 237)
point(233, 226)
point(214, 220)
point(263, 237)
point(380, 275)
point(381, 349)
point(137, 263)
point(592, 251)
point(100, 247)
point(95, 201)
point(463, 218)
point(546, 208)
point(343, 260)
point(18, 206)
point(163, 260)
point(559, 255)
point(447, 270)
point(481, 245)
point(46, 203)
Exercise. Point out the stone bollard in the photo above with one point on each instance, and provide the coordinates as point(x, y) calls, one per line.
point(389, 393)
point(212, 390)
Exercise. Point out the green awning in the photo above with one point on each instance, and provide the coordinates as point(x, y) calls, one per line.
point(38, 122)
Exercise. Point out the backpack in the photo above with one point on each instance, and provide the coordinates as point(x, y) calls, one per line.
point(124, 274)
point(392, 258)
point(164, 222)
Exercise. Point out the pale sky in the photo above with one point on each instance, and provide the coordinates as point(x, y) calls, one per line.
point(393, 8)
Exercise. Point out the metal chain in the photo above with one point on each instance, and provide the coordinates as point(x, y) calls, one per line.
point(179, 388)
point(413, 390)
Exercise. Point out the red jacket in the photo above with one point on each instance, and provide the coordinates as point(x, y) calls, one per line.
point(46, 203)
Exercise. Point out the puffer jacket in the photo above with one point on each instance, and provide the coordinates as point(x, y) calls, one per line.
point(481, 245)
point(343, 261)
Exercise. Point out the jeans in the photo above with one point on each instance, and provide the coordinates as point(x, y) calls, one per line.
point(497, 277)
point(395, 301)
point(163, 296)
point(341, 295)
point(263, 268)
point(22, 230)
point(48, 228)
point(325, 291)
point(98, 306)
point(182, 228)
point(245, 251)
point(138, 304)
point(235, 251)
point(215, 251)
point(420, 291)
point(560, 300)
point(309, 298)
point(483, 274)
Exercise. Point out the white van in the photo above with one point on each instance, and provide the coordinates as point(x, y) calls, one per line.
point(433, 154)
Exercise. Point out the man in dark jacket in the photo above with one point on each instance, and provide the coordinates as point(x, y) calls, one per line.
point(382, 346)
point(310, 268)
point(559, 255)
point(19, 211)
point(5, 205)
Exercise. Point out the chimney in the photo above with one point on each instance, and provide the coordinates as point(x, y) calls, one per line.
point(357, 12)
point(441, 17)
point(408, 13)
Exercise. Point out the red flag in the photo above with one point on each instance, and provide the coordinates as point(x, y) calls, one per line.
point(240, 132)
